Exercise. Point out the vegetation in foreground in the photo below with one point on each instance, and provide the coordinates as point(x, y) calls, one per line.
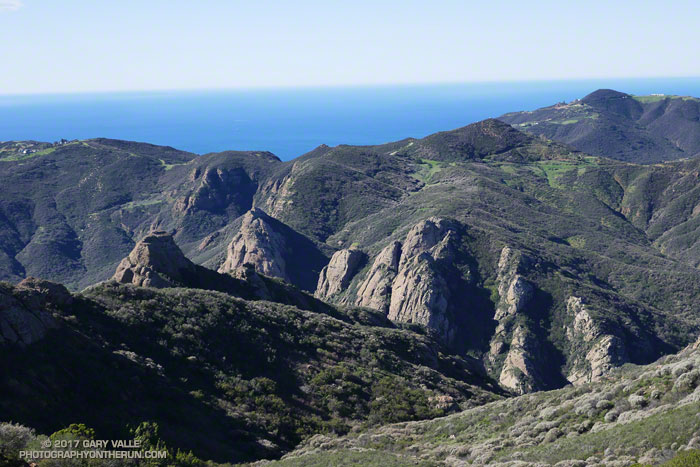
point(225, 378)
point(638, 414)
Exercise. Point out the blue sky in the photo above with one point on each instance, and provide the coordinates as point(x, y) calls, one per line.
point(88, 45)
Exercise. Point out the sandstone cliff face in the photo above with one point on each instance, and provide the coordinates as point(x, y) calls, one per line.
point(408, 280)
point(257, 243)
point(155, 261)
point(336, 276)
point(420, 295)
point(375, 291)
point(596, 351)
point(514, 290)
point(419, 291)
point(519, 370)
point(211, 191)
point(25, 311)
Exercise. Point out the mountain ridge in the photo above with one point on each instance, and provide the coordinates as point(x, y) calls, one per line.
point(646, 129)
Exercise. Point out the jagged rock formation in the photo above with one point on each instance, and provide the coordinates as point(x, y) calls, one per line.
point(519, 370)
point(597, 351)
point(273, 249)
point(340, 270)
point(420, 295)
point(250, 276)
point(408, 280)
point(155, 261)
point(259, 244)
point(25, 311)
point(375, 290)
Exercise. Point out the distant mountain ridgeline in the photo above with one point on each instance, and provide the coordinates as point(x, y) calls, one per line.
point(607, 123)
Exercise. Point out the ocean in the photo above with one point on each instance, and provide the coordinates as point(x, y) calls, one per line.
point(291, 121)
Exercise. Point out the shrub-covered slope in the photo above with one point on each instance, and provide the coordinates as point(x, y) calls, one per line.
point(230, 379)
point(646, 414)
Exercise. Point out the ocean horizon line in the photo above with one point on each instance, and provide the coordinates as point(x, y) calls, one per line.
point(349, 86)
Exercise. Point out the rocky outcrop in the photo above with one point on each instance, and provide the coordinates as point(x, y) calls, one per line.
point(336, 276)
point(26, 310)
point(375, 291)
point(211, 190)
point(420, 295)
point(424, 237)
point(407, 280)
point(594, 351)
point(520, 371)
point(419, 291)
point(249, 275)
point(155, 261)
point(257, 243)
point(515, 293)
point(38, 293)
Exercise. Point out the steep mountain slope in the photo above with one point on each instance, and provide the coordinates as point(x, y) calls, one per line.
point(231, 379)
point(57, 206)
point(644, 414)
point(642, 129)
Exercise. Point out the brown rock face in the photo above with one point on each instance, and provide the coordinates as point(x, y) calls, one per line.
point(258, 244)
point(515, 293)
point(408, 281)
point(520, 371)
point(340, 270)
point(155, 261)
point(424, 237)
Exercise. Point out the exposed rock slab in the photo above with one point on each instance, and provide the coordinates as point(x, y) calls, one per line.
point(155, 261)
point(515, 294)
point(597, 351)
point(521, 368)
point(259, 244)
point(340, 270)
point(420, 295)
point(419, 291)
point(375, 290)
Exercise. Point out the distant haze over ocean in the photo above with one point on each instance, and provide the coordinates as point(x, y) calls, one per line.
point(290, 122)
